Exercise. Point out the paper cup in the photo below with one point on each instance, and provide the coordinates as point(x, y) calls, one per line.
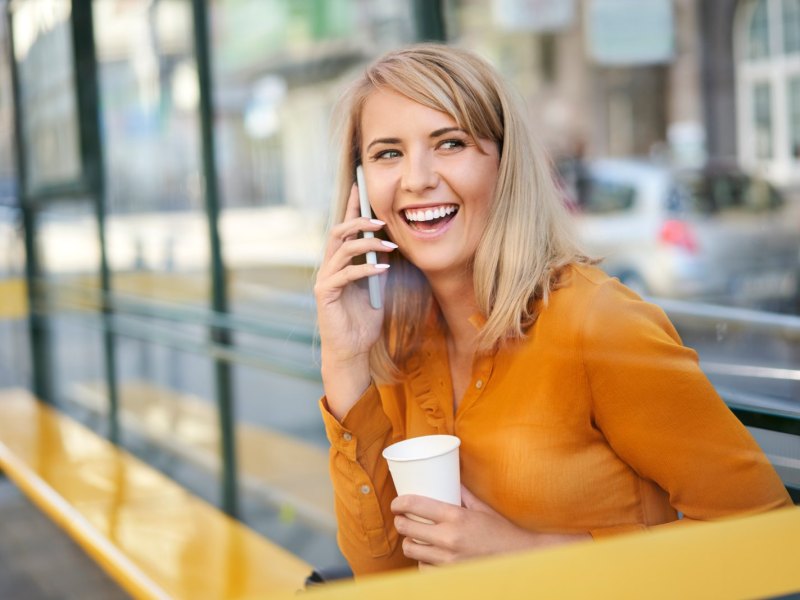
point(426, 466)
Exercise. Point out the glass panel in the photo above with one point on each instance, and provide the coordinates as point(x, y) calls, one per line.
point(8, 192)
point(157, 237)
point(157, 231)
point(279, 67)
point(794, 117)
point(43, 51)
point(166, 402)
point(758, 31)
point(762, 118)
point(69, 255)
point(791, 26)
point(14, 352)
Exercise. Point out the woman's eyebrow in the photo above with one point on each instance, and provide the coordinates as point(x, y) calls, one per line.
point(383, 141)
point(445, 130)
point(434, 134)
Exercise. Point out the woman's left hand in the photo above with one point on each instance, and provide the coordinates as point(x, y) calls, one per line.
point(461, 532)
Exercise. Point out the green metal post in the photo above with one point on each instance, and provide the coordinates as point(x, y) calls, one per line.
point(92, 160)
point(222, 336)
point(429, 20)
point(37, 320)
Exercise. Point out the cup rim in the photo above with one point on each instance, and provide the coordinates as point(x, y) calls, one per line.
point(455, 442)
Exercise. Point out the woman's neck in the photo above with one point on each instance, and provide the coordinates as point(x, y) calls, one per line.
point(456, 299)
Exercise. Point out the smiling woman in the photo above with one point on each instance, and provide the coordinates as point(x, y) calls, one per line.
point(579, 411)
point(429, 181)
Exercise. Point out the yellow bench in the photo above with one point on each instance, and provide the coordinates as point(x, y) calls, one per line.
point(153, 537)
point(281, 470)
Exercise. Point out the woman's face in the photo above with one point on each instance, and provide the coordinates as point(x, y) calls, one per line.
point(428, 180)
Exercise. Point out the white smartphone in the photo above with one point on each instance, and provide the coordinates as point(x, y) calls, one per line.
point(372, 258)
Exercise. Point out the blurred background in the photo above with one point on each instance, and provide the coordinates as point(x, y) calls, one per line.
point(164, 193)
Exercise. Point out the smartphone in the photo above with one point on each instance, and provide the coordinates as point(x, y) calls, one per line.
point(372, 258)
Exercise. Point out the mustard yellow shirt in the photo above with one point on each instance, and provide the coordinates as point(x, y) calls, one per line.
point(600, 421)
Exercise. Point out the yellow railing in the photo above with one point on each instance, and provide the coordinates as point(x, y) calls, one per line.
point(750, 557)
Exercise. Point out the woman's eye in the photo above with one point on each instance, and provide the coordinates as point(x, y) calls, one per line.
point(451, 144)
point(384, 154)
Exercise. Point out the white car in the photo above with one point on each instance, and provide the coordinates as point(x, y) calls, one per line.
point(715, 234)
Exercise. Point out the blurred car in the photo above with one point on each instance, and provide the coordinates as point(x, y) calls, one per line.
point(714, 234)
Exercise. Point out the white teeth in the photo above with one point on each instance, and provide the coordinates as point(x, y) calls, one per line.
point(430, 214)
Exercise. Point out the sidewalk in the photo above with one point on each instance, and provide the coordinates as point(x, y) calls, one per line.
point(38, 561)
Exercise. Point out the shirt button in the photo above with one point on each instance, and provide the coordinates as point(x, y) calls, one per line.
point(479, 383)
point(364, 489)
point(347, 436)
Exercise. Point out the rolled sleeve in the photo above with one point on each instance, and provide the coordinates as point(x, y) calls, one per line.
point(363, 425)
point(362, 486)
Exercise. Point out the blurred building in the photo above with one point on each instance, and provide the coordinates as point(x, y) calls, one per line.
point(751, 84)
point(691, 79)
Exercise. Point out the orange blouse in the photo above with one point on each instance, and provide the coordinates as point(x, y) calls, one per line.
point(600, 421)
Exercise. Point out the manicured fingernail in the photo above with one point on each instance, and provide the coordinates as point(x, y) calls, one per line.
point(377, 222)
point(388, 244)
point(381, 266)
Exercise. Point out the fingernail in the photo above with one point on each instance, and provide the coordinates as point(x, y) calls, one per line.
point(381, 266)
point(377, 222)
point(388, 244)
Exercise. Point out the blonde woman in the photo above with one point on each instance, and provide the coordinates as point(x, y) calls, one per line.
point(580, 413)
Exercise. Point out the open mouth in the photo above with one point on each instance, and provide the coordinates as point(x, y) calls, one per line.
point(430, 219)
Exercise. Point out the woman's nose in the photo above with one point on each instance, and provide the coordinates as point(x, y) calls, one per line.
point(419, 173)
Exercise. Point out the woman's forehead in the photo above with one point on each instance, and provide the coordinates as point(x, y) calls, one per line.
point(387, 109)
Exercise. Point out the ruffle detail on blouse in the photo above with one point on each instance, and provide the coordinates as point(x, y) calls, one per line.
point(421, 387)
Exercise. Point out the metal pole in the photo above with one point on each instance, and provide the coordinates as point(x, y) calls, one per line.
point(37, 321)
point(219, 335)
point(93, 170)
point(429, 20)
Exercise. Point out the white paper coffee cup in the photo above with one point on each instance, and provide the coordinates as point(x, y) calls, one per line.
point(426, 466)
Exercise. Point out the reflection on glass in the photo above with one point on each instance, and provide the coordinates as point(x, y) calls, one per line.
point(7, 172)
point(157, 230)
point(44, 53)
point(14, 353)
point(69, 256)
point(279, 67)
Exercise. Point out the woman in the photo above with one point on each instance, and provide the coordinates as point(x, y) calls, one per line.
point(579, 411)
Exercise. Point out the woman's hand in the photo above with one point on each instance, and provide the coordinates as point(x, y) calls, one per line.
point(461, 532)
point(348, 325)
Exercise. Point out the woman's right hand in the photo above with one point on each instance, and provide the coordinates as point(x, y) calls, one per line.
point(348, 325)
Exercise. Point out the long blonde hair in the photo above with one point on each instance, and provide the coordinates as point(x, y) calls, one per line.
point(527, 240)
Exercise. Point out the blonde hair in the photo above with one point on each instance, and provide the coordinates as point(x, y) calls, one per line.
point(527, 240)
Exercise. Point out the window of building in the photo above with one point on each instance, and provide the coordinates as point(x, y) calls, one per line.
point(762, 116)
point(767, 45)
point(794, 111)
point(791, 26)
point(758, 32)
